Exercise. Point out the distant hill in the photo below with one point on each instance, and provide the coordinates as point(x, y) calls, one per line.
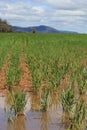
point(41, 28)
point(24, 29)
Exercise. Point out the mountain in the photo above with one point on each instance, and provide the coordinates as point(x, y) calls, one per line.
point(41, 28)
point(24, 29)
point(44, 28)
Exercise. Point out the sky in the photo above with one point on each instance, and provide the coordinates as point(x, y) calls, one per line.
point(68, 15)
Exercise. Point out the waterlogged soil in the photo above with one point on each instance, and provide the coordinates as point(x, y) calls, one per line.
point(33, 119)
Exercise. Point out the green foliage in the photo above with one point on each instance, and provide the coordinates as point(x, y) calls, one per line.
point(13, 74)
point(80, 112)
point(17, 101)
point(79, 120)
point(82, 80)
point(51, 56)
point(36, 80)
point(5, 47)
point(68, 100)
point(44, 99)
point(55, 62)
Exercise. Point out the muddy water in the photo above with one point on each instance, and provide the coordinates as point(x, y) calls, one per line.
point(34, 119)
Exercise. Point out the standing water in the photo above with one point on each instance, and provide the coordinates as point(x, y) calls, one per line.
point(33, 118)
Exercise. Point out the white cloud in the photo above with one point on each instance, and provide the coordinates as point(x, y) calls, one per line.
point(61, 14)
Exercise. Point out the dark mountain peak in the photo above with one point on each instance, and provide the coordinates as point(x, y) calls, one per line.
point(40, 28)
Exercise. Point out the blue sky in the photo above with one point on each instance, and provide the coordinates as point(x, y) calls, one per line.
point(60, 14)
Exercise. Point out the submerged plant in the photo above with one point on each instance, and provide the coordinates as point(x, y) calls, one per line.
point(80, 113)
point(44, 99)
point(79, 120)
point(68, 103)
point(17, 103)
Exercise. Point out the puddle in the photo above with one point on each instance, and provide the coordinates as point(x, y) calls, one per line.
point(3, 121)
point(34, 119)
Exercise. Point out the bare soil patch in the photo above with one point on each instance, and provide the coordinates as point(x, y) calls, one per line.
point(3, 70)
point(25, 82)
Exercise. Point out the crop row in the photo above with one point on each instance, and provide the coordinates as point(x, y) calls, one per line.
point(6, 44)
point(59, 63)
point(58, 66)
point(13, 74)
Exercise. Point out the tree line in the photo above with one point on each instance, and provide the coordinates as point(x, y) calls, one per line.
point(4, 26)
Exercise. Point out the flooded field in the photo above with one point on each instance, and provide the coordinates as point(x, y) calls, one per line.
point(34, 119)
point(44, 81)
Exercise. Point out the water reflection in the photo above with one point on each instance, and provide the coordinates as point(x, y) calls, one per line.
point(18, 124)
point(35, 102)
point(44, 121)
point(55, 100)
point(34, 118)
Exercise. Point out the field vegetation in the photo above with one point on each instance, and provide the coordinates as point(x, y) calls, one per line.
point(57, 64)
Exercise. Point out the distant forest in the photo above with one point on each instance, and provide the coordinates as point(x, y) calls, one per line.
point(4, 26)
